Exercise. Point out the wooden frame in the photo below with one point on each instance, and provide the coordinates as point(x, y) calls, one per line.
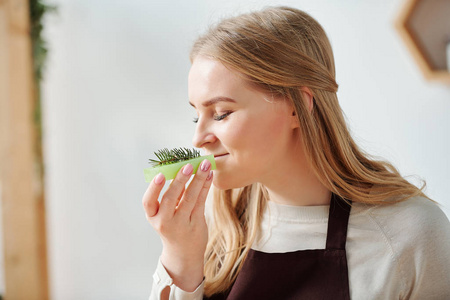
point(414, 24)
point(23, 209)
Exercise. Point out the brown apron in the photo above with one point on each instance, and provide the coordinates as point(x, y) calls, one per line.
point(305, 274)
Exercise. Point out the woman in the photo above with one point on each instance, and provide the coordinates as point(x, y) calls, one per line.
point(299, 211)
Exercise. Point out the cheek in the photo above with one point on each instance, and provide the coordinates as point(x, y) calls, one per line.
point(236, 135)
point(255, 137)
point(254, 144)
point(263, 136)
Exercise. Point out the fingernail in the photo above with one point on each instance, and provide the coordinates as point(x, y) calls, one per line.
point(209, 175)
point(205, 165)
point(159, 178)
point(187, 169)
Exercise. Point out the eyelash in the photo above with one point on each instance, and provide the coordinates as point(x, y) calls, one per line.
point(217, 118)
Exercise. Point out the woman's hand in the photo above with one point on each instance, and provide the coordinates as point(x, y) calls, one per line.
point(180, 222)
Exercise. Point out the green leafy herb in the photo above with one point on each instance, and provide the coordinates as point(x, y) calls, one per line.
point(169, 162)
point(166, 156)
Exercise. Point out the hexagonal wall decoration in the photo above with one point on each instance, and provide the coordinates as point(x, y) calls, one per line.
point(424, 26)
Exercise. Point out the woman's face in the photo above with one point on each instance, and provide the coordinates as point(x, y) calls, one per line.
point(246, 129)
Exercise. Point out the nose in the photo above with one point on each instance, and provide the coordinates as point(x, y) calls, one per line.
point(203, 136)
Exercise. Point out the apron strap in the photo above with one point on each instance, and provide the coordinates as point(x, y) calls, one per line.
point(337, 223)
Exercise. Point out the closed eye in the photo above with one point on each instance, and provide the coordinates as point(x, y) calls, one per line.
point(221, 117)
point(216, 118)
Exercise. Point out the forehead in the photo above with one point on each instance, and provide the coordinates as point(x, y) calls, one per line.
point(209, 78)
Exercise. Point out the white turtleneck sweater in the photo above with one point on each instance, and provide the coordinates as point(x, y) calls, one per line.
point(397, 251)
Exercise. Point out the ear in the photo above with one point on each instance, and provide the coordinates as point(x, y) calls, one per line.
point(309, 102)
point(307, 97)
point(295, 123)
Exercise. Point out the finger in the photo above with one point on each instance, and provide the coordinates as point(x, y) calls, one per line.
point(170, 198)
point(199, 209)
point(151, 195)
point(181, 195)
point(190, 197)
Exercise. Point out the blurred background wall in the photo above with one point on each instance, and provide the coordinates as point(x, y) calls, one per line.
point(115, 90)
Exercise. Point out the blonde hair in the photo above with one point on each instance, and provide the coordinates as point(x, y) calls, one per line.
point(281, 50)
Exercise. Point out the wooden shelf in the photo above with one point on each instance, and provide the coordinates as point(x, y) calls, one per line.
point(22, 194)
point(424, 26)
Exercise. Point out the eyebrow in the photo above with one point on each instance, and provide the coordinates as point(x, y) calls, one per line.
point(215, 100)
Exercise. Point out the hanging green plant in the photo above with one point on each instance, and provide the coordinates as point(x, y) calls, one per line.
point(38, 9)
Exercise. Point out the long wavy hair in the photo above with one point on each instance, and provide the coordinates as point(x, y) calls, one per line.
point(281, 50)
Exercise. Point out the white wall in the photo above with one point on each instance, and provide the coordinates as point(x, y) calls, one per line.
point(115, 91)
